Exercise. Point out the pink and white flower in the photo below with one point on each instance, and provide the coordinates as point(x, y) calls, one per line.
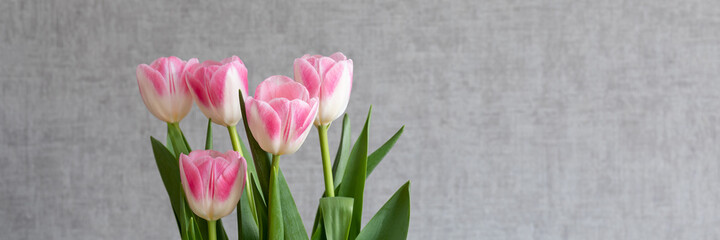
point(163, 88)
point(214, 86)
point(280, 114)
point(212, 181)
point(329, 79)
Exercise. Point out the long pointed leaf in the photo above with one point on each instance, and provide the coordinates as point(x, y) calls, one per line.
point(209, 136)
point(319, 233)
point(292, 222)
point(343, 152)
point(392, 220)
point(178, 141)
point(170, 175)
point(337, 214)
point(354, 180)
point(378, 155)
point(251, 167)
point(169, 143)
point(247, 228)
point(262, 211)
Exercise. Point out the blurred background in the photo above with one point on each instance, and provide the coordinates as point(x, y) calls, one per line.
point(523, 119)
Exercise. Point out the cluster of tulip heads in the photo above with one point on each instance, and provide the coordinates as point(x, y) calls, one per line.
point(279, 115)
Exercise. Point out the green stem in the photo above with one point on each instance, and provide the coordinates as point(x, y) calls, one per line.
point(212, 233)
point(208, 136)
point(275, 161)
point(273, 222)
point(327, 168)
point(235, 139)
point(236, 146)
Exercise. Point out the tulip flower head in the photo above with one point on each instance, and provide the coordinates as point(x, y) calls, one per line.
point(280, 114)
point(163, 88)
point(214, 86)
point(213, 181)
point(329, 79)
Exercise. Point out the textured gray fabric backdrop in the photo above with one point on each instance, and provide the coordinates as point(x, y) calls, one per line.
point(524, 119)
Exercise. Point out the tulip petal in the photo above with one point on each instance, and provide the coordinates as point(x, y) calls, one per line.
point(282, 107)
point(226, 177)
point(300, 113)
point(224, 86)
point(146, 73)
point(294, 122)
point(232, 59)
point(241, 70)
point(170, 68)
point(217, 84)
point(280, 87)
point(196, 83)
point(187, 70)
point(264, 123)
point(152, 90)
point(192, 177)
point(338, 56)
point(307, 75)
point(333, 76)
point(323, 65)
point(313, 105)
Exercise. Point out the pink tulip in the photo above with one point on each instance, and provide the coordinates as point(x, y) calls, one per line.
point(163, 88)
point(214, 86)
point(329, 79)
point(213, 182)
point(280, 114)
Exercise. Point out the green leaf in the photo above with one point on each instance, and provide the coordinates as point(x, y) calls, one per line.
point(262, 211)
point(192, 232)
point(337, 214)
point(392, 220)
point(247, 226)
point(343, 152)
point(374, 159)
point(275, 230)
point(251, 167)
point(319, 233)
point(317, 223)
point(292, 222)
point(177, 140)
point(170, 175)
point(209, 136)
point(169, 143)
point(260, 157)
point(354, 179)
point(248, 229)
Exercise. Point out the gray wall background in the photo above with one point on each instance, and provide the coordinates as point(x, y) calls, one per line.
point(524, 119)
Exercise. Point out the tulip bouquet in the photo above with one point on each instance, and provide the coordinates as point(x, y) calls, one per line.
point(206, 185)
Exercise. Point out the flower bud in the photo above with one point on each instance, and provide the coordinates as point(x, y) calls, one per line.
point(163, 88)
point(280, 114)
point(213, 181)
point(329, 79)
